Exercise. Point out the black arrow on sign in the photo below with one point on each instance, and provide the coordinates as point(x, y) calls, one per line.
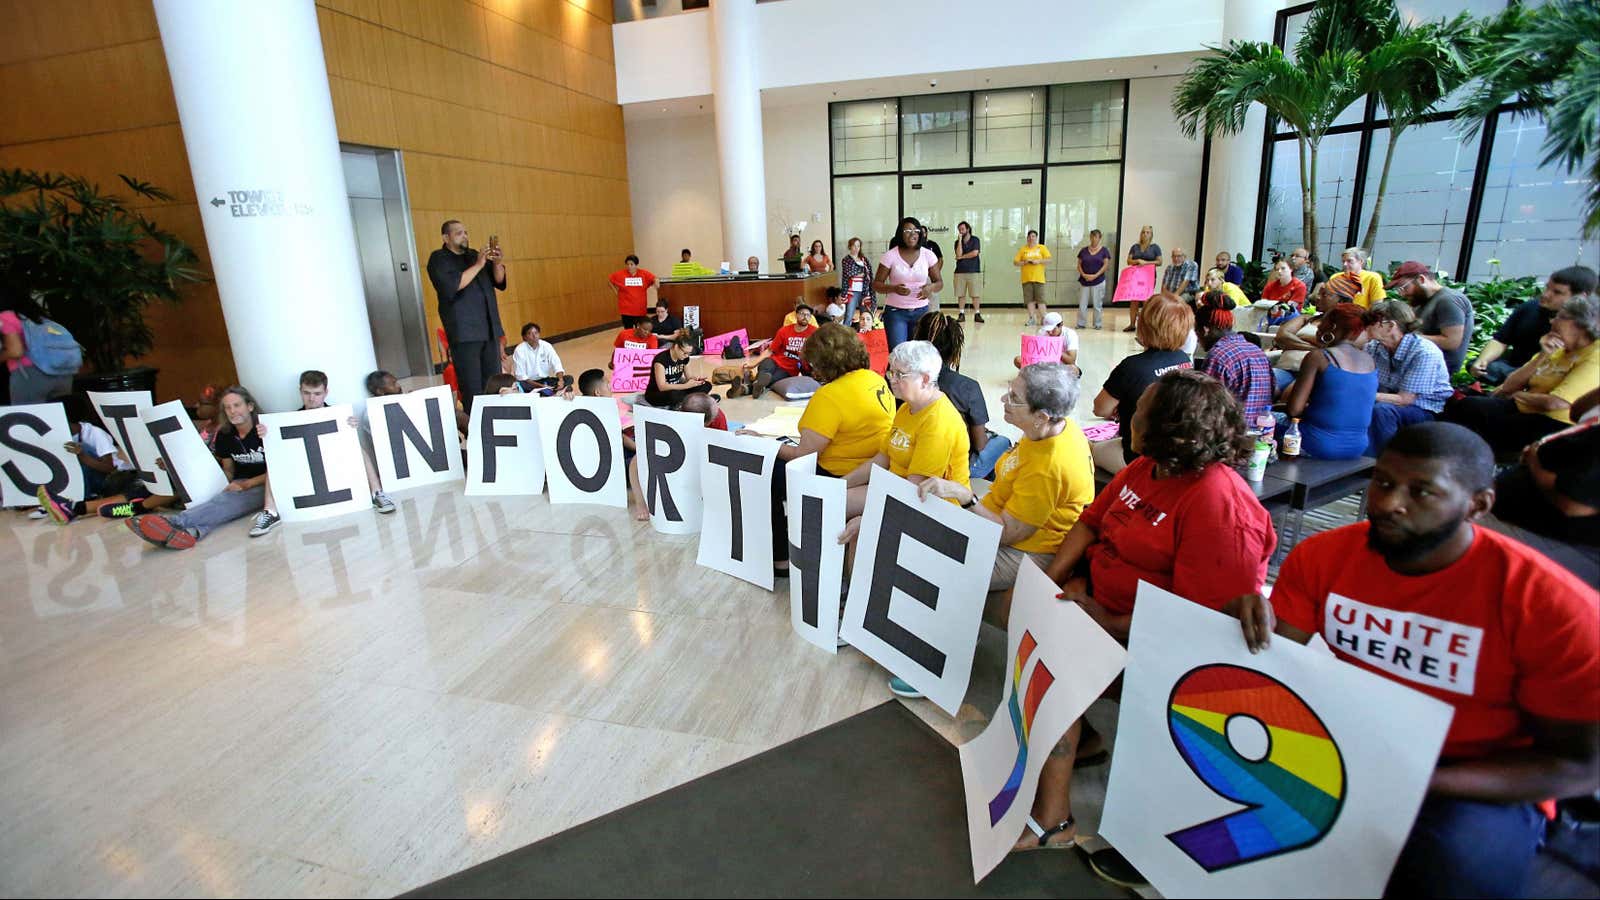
point(218, 201)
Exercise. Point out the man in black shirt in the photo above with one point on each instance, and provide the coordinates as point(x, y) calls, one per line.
point(933, 300)
point(465, 281)
point(1517, 341)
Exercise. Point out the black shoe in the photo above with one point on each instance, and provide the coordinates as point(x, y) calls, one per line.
point(961, 317)
point(760, 386)
point(1115, 868)
point(977, 317)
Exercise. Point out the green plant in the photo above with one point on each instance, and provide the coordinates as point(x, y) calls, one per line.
point(1256, 273)
point(94, 263)
point(1492, 302)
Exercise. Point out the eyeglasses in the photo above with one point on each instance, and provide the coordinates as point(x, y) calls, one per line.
point(1011, 399)
point(911, 231)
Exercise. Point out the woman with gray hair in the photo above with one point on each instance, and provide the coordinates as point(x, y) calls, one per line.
point(1040, 486)
point(1413, 382)
point(1536, 399)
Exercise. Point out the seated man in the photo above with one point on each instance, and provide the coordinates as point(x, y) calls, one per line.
point(1517, 341)
point(537, 362)
point(639, 337)
point(752, 266)
point(237, 447)
point(686, 267)
point(1054, 326)
point(663, 324)
point(111, 487)
point(1527, 721)
point(781, 359)
point(1241, 366)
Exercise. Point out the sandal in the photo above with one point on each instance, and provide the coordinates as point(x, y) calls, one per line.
point(1045, 834)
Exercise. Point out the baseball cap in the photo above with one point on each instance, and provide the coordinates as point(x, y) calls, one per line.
point(1409, 269)
point(1051, 320)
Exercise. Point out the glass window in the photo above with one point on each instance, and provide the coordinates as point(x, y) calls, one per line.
point(1008, 127)
point(865, 134)
point(999, 206)
point(1532, 219)
point(1077, 200)
point(933, 131)
point(865, 207)
point(1336, 173)
point(1425, 207)
point(1086, 121)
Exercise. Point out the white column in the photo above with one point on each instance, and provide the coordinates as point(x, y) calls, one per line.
point(736, 99)
point(257, 116)
point(1235, 171)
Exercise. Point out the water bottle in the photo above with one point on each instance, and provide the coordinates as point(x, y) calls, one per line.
point(1291, 439)
point(1266, 430)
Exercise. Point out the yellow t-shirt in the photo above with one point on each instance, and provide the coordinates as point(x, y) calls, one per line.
point(853, 413)
point(1564, 375)
point(1235, 293)
point(932, 443)
point(1034, 257)
point(1367, 291)
point(1046, 484)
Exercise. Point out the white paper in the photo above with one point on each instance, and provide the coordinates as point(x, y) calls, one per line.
point(679, 439)
point(190, 463)
point(736, 535)
point(815, 575)
point(585, 466)
point(1320, 808)
point(315, 477)
point(432, 413)
point(119, 412)
point(929, 640)
point(1058, 662)
point(33, 452)
point(512, 447)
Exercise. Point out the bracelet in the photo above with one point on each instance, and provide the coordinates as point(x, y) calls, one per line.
point(972, 501)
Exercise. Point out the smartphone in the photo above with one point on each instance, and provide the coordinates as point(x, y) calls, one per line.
point(494, 242)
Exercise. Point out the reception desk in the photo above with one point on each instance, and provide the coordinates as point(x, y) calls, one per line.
point(756, 303)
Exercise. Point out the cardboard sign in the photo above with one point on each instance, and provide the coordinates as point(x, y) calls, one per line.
point(670, 448)
point(1285, 773)
point(414, 438)
point(119, 411)
point(715, 345)
point(33, 453)
point(314, 462)
point(582, 442)
point(736, 481)
point(630, 369)
point(1041, 348)
point(1136, 283)
point(877, 341)
point(196, 477)
point(815, 506)
point(504, 456)
point(1058, 662)
point(917, 591)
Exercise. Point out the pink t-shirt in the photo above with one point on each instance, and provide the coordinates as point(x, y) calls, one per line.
point(912, 276)
point(10, 323)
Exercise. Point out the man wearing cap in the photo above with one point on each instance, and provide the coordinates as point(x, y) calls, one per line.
point(1444, 314)
point(1054, 326)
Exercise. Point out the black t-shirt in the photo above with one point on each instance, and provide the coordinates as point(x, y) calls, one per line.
point(1522, 330)
point(668, 325)
point(677, 372)
point(966, 395)
point(1129, 379)
point(968, 266)
point(249, 461)
point(927, 242)
point(1575, 459)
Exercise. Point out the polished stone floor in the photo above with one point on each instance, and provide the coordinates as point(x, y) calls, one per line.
point(360, 706)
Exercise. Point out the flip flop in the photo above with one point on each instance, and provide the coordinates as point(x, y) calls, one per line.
point(1045, 834)
point(160, 531)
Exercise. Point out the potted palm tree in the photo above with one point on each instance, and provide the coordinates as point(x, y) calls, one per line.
point(95, 265)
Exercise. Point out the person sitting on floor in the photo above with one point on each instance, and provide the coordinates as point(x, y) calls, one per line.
point(238, 449)
point(1536, 399)
point(1180, 517)
point(111, 486)
point(835, 309)
point(782, 358)
point(1336, 388)
point(663, 324)
point(536, 361)
point(1413, 384)
point(946, 335)
point(1233, 359)
point(1517, 341)
point(1163, 326)
point(866, 321)
point(1527, 720)
point(1054, 326)
point(669, 375)
point(639, 337)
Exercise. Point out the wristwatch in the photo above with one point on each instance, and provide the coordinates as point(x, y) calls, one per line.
point(972, 500)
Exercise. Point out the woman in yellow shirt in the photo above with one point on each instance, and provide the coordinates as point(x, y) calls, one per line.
point(1030, 259)
point(1355, 283)
point(1216, 282)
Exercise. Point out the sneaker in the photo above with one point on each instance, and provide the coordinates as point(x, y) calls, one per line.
point(118, 510)
point(160, 531)
point(760, 387)
point(266, 520)
point(1115, 868)
point(38, 512)
point(977, 317)
point(58, 509)
point(961, 317)
point(736, 388)
point(380, 502)
point(900, 688)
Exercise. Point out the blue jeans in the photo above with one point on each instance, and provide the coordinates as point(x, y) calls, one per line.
point(1281, 378)
point(1387, 420)
point(221, 509)
point(899, 323)
point(852, 301)
point(1498, 372)
point(981, 463)
point(1467, 848)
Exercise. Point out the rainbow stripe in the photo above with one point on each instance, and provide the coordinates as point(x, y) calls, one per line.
point(1293, 794)
point(1021, 722)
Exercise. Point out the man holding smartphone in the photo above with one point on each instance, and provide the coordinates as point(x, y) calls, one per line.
point(465, 280)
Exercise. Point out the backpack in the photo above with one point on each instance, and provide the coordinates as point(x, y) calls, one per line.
point(734, 349)
point(51, 347)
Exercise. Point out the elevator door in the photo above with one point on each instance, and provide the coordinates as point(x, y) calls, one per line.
point(1000, 206)
point(379, 211)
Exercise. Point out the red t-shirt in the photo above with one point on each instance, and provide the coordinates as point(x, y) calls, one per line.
point(632, 292)
point(626, 338)
point(1498, 632)
point(786, 345)
point(1293, 292)
point(720, 423)
point(1203, 536)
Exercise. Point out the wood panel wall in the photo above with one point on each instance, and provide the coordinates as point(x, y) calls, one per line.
point(505, 112)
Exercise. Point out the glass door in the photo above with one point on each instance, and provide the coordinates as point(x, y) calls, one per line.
point(1000, 207)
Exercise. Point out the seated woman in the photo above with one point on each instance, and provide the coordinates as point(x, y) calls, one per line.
point(669, 375)
point(238, 449)
point(1214, 281)
point(1054, 327)
point(947, 336)
point(1536, 399)
point(1336, 388)
point(1231, 358)
point(1413, 381)
point(1286, 293)
point(1296, 338)
point(1163, 327)
point(1178, 517)
point(1040, 488)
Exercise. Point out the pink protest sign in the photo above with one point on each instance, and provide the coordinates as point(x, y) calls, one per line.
point(714, 345)
point(1136, 283)
point(630, 369)
point(1040, 348)
point(1105, 431)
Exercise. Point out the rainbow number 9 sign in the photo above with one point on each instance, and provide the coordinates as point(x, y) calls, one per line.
point(1254, 741)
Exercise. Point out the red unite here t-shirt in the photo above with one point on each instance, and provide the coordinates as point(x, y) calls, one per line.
point(626, 338)
point(1498, 632)
point(632, 291)
point(1203, 536)
point(786, 345)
